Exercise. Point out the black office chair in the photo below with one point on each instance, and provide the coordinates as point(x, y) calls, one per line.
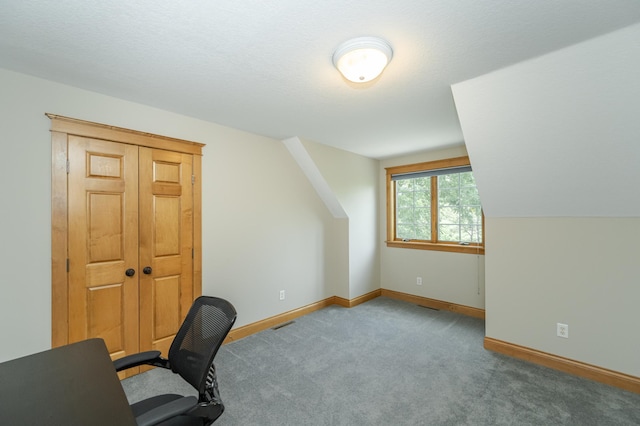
point(191, 356)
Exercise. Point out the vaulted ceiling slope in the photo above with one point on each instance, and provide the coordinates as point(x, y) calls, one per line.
point(558, 135)
point(265, 66)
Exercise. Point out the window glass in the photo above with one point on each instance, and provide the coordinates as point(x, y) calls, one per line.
point(413, 208)
point(459, 210)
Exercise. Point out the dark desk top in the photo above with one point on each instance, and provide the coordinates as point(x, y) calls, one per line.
point(70, 385)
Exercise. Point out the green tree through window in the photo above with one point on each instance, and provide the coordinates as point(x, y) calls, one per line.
point(459, 210)
point(413, 209)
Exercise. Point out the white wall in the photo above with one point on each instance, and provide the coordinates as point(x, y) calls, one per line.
point(264, 229)
point(450, 277)
point(354, 180)
point(558, 135)
point(554, 145)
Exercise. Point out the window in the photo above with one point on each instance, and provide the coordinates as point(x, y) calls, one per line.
point(434, 206)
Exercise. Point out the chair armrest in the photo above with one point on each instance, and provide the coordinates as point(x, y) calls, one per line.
point(142, 358)
point(167, 411)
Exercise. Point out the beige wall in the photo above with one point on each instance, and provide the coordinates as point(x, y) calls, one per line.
point(451, 277)
point(582, 272)
point(264, 229)
point(354, 180)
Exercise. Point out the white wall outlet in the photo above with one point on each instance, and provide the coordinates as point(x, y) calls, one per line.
point(418, 280)
point(281, 294)
point(562, 330)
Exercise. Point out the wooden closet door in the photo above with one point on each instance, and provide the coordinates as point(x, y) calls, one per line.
point(120, 200)
point(103, 243)
point(166, 245)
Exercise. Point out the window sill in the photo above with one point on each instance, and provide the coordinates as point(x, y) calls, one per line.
point(453, 248)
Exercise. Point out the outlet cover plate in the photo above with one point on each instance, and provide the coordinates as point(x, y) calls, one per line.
point(562, 330)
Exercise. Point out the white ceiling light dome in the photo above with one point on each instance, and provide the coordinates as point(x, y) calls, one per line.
point(362, 59)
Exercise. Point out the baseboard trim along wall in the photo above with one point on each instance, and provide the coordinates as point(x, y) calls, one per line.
point(350, 303)
point(249, 329)
point(434, 303)
point(566, 365)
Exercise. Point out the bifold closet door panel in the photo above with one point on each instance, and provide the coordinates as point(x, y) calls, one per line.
point(103, 243)
point(166, 244)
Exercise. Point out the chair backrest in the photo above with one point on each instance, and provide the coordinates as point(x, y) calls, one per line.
point(199, 338)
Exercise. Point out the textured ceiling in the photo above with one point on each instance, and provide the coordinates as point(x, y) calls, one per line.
point(265, 66)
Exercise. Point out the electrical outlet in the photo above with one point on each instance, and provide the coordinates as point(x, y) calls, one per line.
point(418, 280)
point(562, 330)
point(281, 294)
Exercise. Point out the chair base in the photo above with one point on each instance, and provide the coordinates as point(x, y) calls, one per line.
point(212, 412)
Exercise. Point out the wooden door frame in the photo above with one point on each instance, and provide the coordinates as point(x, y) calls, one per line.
point(61, 128)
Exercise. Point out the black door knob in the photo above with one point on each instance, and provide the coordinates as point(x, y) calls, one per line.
point(130, 272)
point(147, 270)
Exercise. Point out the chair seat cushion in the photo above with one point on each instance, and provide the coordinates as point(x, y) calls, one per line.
point(145, 405)
point(148, 404)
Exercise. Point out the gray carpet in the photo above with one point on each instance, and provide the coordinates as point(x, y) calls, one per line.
point(387, 362)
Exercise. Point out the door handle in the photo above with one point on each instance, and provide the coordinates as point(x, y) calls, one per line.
point(130, 272)
point(147, 270)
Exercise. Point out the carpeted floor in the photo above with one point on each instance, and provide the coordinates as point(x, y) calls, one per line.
point(388, 362)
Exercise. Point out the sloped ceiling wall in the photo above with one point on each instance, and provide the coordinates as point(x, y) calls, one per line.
point(558, 135)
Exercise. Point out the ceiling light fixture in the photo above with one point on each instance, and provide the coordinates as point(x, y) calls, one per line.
point(362, 59)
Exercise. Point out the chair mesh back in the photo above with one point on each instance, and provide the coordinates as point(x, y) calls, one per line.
point(199, 338)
